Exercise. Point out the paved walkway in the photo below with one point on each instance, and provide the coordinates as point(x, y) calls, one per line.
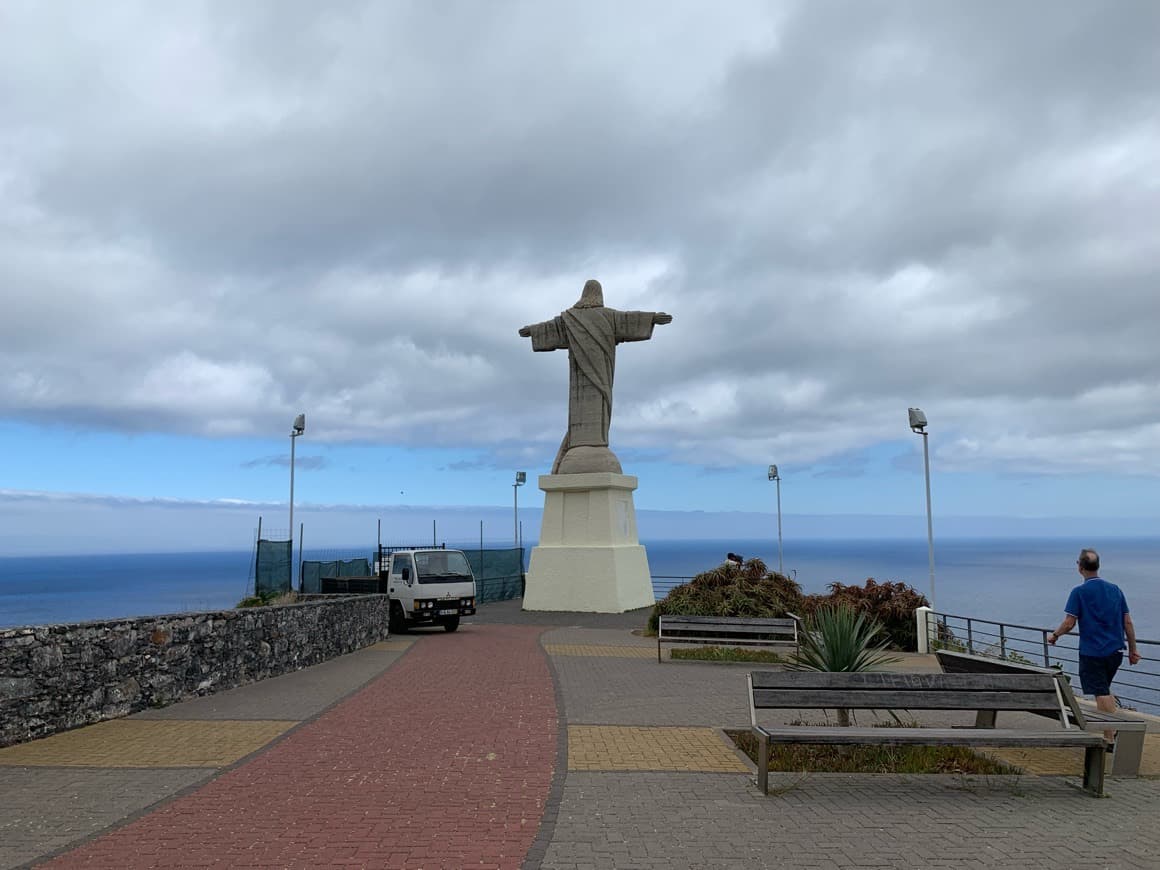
point(523, 740)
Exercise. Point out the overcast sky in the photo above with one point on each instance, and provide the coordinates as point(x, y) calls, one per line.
point(214, 216)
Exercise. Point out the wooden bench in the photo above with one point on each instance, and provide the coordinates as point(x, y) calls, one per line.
point(1128, 748)
point(727, 631)
point(792, 690)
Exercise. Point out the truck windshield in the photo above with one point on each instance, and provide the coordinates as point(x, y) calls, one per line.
point(436, 566)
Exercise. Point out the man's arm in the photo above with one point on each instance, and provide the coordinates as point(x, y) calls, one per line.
point(1130, 632)
point(1064, 627)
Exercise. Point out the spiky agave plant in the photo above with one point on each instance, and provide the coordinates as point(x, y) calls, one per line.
point(838, 638)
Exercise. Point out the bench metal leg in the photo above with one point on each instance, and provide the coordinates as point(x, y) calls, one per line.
point(985, 718)
point(1129, 751)
point(1093, 770)
point(763, 762)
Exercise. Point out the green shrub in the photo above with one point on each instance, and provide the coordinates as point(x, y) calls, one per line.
point(892, 605)
point(837, 638)
point(751, 590)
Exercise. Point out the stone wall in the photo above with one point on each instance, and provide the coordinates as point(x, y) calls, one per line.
point(57, 677)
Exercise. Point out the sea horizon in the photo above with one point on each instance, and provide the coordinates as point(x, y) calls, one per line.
point(1016, 580)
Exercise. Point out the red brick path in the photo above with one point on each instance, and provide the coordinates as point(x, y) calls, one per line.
point(443, 761)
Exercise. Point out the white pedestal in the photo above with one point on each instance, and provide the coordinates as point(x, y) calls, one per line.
point(588, 558)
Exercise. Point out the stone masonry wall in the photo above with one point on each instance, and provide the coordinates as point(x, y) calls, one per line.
point(57, 677)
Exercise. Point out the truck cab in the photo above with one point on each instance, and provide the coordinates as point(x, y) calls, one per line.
point(429, 587)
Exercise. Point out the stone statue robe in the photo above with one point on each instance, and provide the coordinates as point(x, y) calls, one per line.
point(590, 336)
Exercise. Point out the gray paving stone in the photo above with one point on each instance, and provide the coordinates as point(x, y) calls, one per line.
point(295, 696)
point(685, 820)
point(44, 809)
point(616, 691)
point(510, 613)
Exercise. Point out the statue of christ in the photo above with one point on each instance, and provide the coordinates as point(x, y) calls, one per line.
point(590, 333)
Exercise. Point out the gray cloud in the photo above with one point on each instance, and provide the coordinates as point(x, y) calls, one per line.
point(212, 218)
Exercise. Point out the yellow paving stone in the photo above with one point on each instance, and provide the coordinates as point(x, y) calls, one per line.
point(581, 649)
point(615, 747)
point(147, 743)
point(1069, 762)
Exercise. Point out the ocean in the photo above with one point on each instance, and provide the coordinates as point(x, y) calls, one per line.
point(1021, 581)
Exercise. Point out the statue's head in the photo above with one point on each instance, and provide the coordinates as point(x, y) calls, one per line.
point(593, 295)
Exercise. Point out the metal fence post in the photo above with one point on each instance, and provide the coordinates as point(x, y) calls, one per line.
point(970, 637)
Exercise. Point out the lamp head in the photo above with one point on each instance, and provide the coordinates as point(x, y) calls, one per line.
point(917, 419)
point(299, 424)
point(521, 478)
point(773, 473)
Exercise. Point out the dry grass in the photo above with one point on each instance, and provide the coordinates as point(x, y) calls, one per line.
point(728, 654)
point(872, 759)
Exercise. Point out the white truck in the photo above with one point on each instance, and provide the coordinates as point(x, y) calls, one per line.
point(427, 587)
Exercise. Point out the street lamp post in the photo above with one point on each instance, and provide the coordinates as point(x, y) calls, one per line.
point(774, 476)
point(521, 478)
point(298, 428)
point(918, 425)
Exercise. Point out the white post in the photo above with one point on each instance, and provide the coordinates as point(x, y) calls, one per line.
point(922, 620)
point(293, 436)
point(780, 569)
point(296, 429)
point(929, 524)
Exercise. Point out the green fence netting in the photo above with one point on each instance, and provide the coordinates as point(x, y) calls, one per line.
point(272, 568)
point(313, 572)
point(498, 574)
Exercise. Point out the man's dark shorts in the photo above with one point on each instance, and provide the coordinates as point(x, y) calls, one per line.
point(1097, 672)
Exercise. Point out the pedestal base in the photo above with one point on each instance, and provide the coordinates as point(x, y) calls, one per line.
point(588, 558)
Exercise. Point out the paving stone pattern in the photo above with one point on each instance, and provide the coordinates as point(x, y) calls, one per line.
point(589, 649)
point(44, 809)
point(616, 747)
point(444, 761)
point(618, 691)
point(690, 820)
point(453, 756)
point(295, 696)
point(141, 743)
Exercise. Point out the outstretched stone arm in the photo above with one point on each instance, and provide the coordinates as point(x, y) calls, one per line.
point(549, 335)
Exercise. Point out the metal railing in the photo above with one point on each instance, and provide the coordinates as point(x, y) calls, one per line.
point(1136, 687)
point(663, 584)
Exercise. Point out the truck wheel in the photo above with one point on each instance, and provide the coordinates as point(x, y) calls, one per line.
point(451, 623)
point(398, 620)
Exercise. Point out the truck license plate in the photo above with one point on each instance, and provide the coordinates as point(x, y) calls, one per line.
point(448, 612)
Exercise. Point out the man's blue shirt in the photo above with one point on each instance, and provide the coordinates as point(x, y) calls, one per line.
point(1100, 607)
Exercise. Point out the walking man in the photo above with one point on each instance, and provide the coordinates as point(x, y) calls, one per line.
point(1102, 613)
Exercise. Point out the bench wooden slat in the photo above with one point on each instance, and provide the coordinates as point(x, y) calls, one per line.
point(726, 630)
point(739, 639)
point(819, 690)
point(930, 736)
point(1129, 744)
point(857, 699)
point(717, 628)
point(965, 663)
point(726, 620)
point(876, 681)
